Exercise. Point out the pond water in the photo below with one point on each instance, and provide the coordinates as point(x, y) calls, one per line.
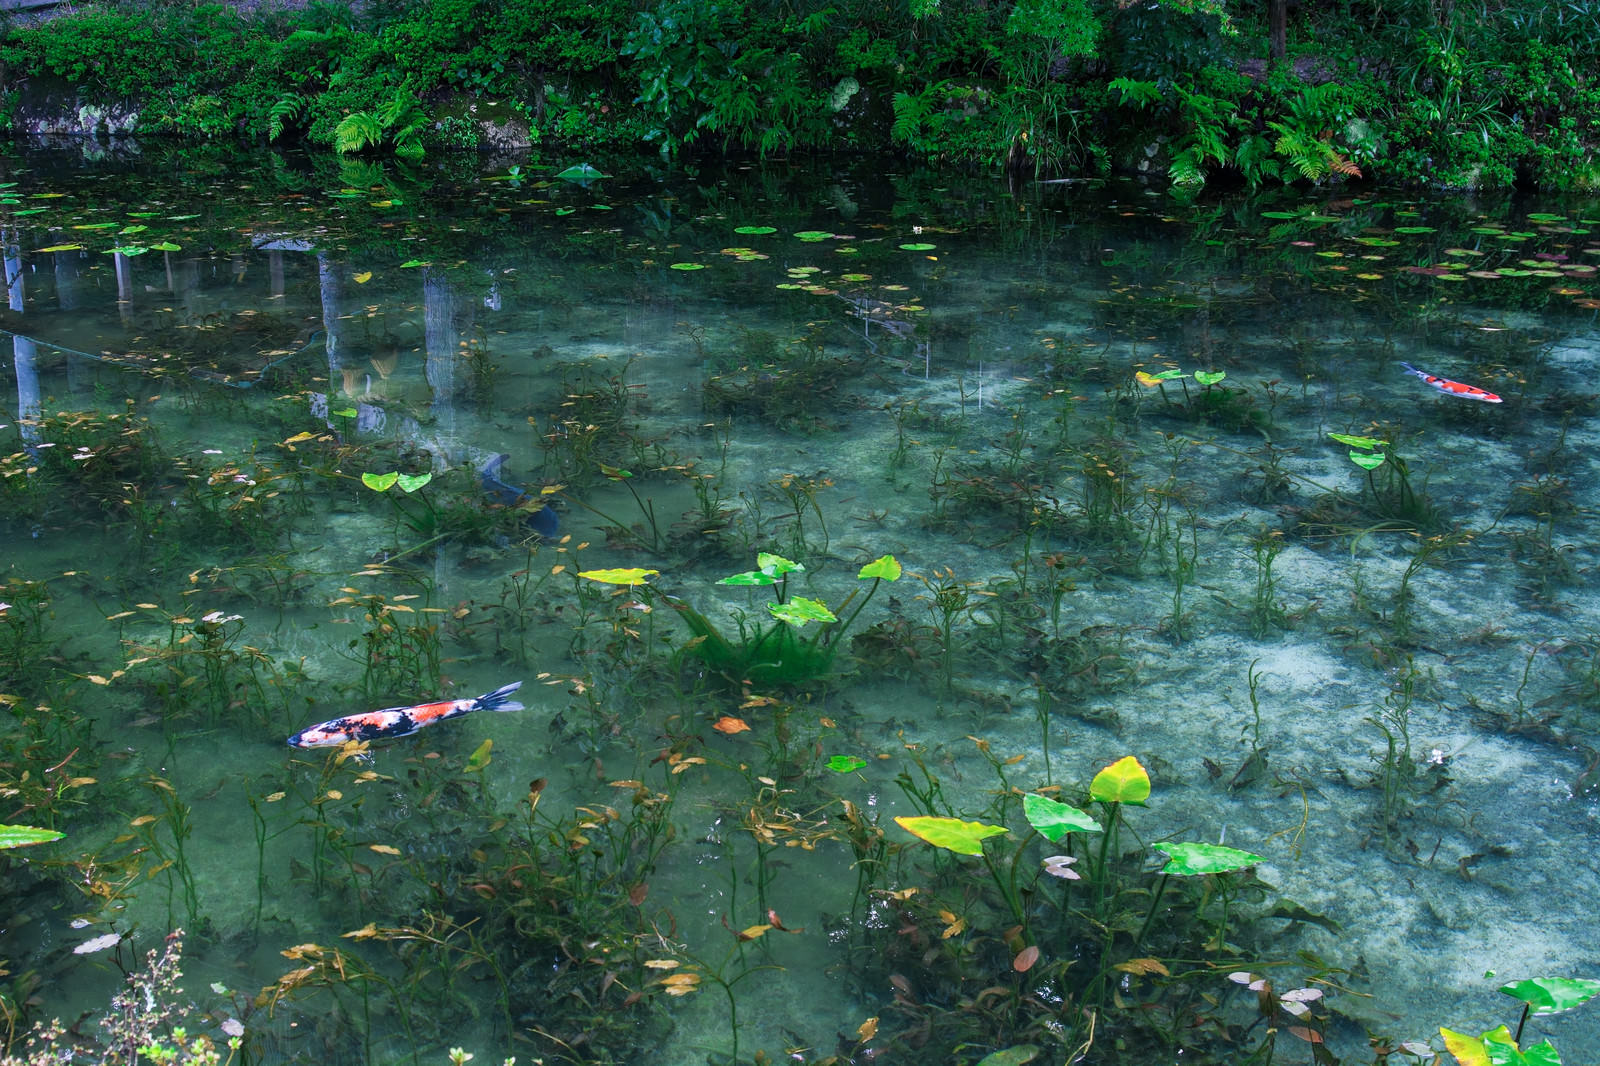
point(1079, 472)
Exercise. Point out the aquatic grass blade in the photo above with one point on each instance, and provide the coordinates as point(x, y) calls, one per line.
point(21, 836)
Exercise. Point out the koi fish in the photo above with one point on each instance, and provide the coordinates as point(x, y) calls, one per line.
point(1454, 388)
point(544, 521)
point(401, 721)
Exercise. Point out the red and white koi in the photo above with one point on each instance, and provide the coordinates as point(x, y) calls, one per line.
point(1454, 388)
point(401, 721)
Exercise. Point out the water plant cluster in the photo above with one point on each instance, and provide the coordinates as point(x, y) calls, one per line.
point(972, 706)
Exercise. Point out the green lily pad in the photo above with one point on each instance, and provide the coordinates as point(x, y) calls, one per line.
point(919, 247)
point(1413, 229)
point(813, 235)
point(167, 246)
point(380, 482)
point(688, 266)
point(1191, 857)
point(756, 231)
point(1209, 377)
point(1124, 781)
point(800, 610)
point(1552, 995)
point(21, 836)
point(1054, 819)
point(952, 834)
point(413, 482)
point(845, 764)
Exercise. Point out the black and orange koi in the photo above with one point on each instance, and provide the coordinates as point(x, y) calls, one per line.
point(401, 721)
point(1454, 388)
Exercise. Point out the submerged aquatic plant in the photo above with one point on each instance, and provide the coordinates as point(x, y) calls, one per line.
point(776, 652)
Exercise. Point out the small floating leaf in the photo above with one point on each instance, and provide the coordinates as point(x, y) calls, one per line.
point(885, 567)
point(918, 247)
point(1367, 460)
point(61, 248)
point(952, 834)
point(1054, 819)
point(1190, 858)
point(1209, 377)
point(813, 235)
point(1551, 995)
point(845, 764)
point(630, 576)
point(800, 610)
point(688, 266)
point(756, 231)
point(380, 482)
point(1124, 781)
point(413, 482)
point(479, 757)
point(1358, 442)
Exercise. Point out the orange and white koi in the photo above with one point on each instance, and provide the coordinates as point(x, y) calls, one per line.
point(1454, 388)
point(401, 721)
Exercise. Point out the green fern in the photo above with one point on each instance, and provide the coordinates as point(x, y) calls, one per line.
point(1135, 93)
point(910, 112)
point(357, 132)
point(288, 108)
point(1187, 168)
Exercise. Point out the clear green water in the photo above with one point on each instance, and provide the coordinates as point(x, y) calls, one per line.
point(195, 570)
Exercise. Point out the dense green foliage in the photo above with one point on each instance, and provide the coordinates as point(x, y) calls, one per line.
point(1487, 93)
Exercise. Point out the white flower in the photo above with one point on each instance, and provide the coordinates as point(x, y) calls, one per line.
point(1061, 866)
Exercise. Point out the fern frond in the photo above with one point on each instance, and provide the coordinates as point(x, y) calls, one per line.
point(1136, 93)
point(288, 108)
point(357, 131)
point(909, 113)
point(408, 143)
point(1186, 169)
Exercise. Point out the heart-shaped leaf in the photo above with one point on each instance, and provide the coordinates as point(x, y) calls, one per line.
point(19, 836)
point(1209, 377)
point(777, 565)
point(1191, 858)
point(952, 834)
point(1054, 819)
point(885, 567)
point(845, 764)
point(1552, 995)
point(379, 482)
point(1367, 460)
point(1124, 781)
point(413, 482)
point(631, 576)
point(799, 611)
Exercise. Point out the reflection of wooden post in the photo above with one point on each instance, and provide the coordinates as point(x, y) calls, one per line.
point(1278, 31)
point(332, 292)
point(28, 401)
point(439, 339)
point(275, 273)
point(67, 280)
point(124, 269)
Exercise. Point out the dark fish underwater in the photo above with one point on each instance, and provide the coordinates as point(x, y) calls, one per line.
point(544, 521)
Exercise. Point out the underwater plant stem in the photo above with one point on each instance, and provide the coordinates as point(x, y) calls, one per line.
point(418, 547)
point(1150, 916)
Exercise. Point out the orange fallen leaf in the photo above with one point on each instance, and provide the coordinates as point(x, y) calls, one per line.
point(730, 725)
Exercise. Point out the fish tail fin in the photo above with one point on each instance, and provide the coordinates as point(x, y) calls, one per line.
point(1411, 369)
point(500, 699)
